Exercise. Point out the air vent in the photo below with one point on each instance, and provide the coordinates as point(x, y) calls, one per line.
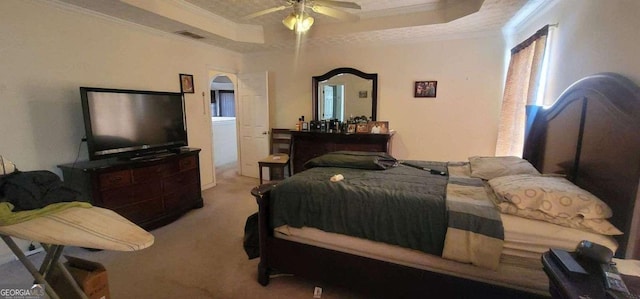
point(189, 34)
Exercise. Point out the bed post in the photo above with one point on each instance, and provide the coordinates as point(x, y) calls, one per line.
point(261, 193)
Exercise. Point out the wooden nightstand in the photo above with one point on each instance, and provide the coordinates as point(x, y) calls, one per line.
point(562, 285)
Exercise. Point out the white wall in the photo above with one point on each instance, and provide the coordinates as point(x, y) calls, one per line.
point(592, 36)
point(460, 122)
point(47, 52)
point(225, 140)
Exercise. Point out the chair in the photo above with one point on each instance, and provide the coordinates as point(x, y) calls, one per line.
point(279, 158)
point(280, 141)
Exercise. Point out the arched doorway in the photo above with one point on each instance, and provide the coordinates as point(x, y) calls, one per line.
point(224, 125)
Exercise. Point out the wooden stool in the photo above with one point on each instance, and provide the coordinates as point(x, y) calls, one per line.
point(276, 161)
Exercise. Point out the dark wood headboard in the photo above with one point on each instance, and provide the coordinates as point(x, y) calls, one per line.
point(592, 135)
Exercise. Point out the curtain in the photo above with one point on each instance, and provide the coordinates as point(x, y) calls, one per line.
point(227, 103)
point(521, 87)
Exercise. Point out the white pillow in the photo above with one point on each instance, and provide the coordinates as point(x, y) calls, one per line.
point(488, 168)
point(6, 166)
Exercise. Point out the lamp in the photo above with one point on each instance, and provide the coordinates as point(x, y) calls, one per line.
point(300, 22)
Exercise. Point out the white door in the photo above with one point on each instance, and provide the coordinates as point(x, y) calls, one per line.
point(329, 100)
point(254, 121)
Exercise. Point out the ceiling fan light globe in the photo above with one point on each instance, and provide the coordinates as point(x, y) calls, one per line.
point(290, 21)
point(304, 24)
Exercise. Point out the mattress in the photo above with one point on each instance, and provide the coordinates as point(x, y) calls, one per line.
point(520, 267)
point(530, 238)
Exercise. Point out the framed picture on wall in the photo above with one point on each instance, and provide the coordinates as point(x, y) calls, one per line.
point(425, 89)
point(186, 83)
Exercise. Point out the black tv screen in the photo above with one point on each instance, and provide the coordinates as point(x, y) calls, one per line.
point(130, 123)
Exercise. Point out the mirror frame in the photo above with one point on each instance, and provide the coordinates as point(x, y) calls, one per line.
point(345, 70)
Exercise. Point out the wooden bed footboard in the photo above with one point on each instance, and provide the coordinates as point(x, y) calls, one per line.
point(261, 193)
point(369, 277)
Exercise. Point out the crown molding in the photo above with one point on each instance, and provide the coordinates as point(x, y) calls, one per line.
point(135, 26)
point(527, 14)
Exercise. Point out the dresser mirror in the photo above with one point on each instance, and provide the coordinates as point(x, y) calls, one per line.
point(343, 93)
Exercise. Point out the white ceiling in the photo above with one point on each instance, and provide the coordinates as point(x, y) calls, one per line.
point(221, 24)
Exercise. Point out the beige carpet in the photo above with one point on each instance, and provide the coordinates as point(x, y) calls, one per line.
point(199, 255)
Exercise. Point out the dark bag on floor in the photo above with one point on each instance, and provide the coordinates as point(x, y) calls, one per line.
point(251, 242)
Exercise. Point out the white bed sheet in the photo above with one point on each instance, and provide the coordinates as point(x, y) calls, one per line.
point(531, 238)
point(520, 268)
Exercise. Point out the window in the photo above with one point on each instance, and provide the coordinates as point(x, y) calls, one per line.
point(227, 103)
point(524, 78)
point(223, 103)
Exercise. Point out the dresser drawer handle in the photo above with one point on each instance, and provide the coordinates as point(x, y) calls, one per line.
point(116, 179)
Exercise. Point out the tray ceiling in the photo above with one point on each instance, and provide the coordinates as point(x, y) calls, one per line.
point(220, 23)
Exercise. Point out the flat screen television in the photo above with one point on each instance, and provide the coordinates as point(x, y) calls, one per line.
point(128, 124)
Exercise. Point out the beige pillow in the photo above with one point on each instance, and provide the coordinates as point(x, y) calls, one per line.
point(599, 226)
point(554, 196)
point(6, 166)
point(492, 167)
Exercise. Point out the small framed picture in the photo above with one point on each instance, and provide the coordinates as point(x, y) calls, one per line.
point(186, 83)
point(378, 127)
point(425, 89)
point(305, 126)
point(351, 128)
point(363, 94)
point(362, 128)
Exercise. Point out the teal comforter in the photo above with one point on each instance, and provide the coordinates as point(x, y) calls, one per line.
point(401, 205)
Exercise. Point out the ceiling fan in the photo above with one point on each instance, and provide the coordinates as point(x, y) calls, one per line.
point(300, 21)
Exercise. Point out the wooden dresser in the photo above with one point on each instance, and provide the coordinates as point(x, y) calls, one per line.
point(150, 192)
point(307, 145)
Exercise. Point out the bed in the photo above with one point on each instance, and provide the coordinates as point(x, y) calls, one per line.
point(590, 137)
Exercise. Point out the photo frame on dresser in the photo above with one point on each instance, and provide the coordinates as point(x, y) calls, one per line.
point(362, 127)
point(351, 128)
point(378, 127)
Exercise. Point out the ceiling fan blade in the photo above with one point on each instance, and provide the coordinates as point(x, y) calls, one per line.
point(264, 12)
point(342, 4)
point(335, 13)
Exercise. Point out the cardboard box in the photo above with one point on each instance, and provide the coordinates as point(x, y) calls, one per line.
point(90, 276)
